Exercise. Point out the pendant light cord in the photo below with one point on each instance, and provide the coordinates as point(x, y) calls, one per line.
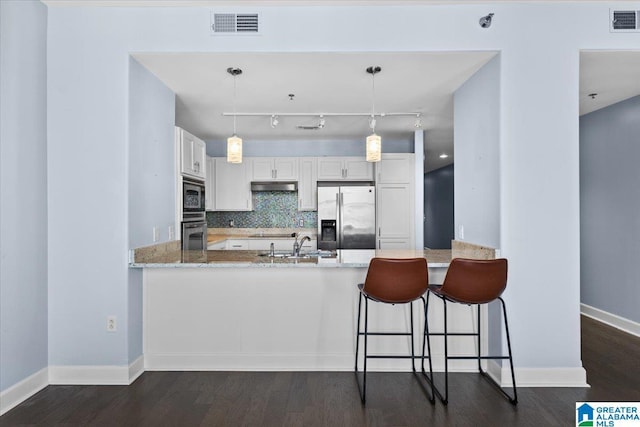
point(373, 104)
point(234, 104)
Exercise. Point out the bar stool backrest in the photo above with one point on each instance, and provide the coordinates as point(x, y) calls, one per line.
point(394, 280)
point(475, 281)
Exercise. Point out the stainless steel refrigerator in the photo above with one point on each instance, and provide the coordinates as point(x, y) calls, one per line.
point(346, 216)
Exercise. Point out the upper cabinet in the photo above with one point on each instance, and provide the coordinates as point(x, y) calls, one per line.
point(274, 168)
point(231, 187)
point(192, 154)
point(308, 184)
point(395, 168)
point(344, 169)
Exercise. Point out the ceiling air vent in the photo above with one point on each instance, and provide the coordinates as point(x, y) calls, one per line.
point(234, 23)
point(625, 20)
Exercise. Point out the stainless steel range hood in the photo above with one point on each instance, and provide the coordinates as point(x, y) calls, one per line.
point(274, 186)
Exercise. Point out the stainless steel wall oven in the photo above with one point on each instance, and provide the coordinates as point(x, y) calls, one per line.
point(194, 223)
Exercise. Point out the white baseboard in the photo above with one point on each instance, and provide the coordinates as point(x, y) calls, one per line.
point(538, 377)
point(625, 325)
point(18, 393)
point(96, 375)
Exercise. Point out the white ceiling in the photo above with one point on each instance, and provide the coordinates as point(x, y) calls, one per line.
point(322, 83)
point(613, 75)
point(338, 83)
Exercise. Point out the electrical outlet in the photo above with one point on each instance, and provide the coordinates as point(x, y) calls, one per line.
point(461, 232)
point(112, 325)
point(301, 222)
point(231, 223)
point(156, 234)
point(172, 234)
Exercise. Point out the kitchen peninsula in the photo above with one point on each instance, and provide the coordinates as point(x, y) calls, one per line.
point(241, 310)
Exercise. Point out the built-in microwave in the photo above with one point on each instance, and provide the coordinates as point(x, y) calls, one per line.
point(193, 200)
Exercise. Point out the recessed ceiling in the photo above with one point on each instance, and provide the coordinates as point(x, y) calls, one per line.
point(322, 83)
point(338, 83)
point(612, 75)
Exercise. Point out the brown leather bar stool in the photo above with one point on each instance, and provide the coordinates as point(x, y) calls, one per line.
point(390, 281)
point(470, 282)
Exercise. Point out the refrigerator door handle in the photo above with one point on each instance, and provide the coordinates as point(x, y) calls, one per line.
point(338, 222)
point(340, 211)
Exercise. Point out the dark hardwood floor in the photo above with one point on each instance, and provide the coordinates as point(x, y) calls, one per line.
point(331, 398)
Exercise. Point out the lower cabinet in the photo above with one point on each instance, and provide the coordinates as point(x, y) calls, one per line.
point(237, 245)
point(280, 245)
point(217, 246)
point(262, 244)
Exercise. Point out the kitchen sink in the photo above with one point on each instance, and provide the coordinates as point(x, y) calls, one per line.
point(306, 255)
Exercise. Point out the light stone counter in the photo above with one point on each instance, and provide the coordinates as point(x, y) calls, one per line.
point(253, 259)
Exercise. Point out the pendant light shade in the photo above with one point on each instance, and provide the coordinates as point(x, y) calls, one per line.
point(374, 148)
point(374, 142)
point(234, 149)
point(234, 142)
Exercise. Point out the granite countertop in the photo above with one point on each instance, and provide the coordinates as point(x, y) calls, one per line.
point(341, 258)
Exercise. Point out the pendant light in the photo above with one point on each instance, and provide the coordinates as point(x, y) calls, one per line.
point(374, 142)
point(234, 142)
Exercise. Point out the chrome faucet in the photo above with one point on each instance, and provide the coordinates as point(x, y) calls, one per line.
point(297, 246)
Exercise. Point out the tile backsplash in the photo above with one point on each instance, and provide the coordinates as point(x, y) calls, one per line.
point(271, 209)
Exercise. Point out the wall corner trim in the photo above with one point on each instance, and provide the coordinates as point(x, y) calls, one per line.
point(618, 322)
point(136, 368)
point(19, 392)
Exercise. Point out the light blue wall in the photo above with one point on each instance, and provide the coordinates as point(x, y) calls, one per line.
point(610, 209)
point(477, 171)
point(88, 63)
point(23, 190)
point(477, 151)
point(151, 157)
point(151, 180)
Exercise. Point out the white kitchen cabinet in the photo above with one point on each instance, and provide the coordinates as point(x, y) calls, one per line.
point(232, 187)
point(344, 169)
point(395, 215)
point(237, 245)
point(264, 244)
point(209, 186)
point(308, 184)
point(192, 154)
point(217, 246)
point(395, 168)
point(274, 168)
point(395, 201)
